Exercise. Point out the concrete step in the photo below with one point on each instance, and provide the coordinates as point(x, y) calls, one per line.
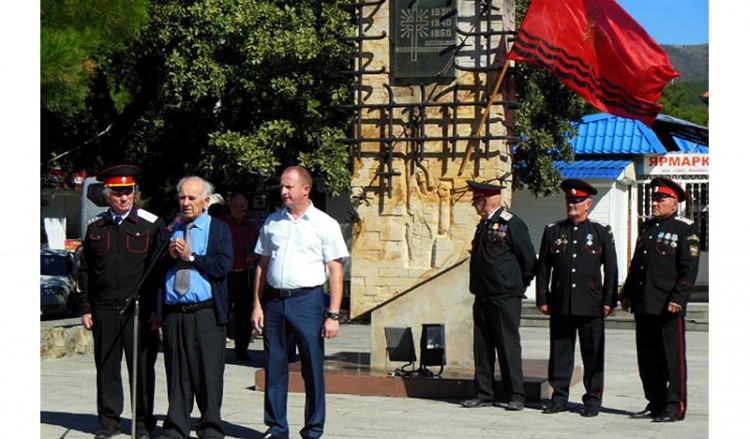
point(695, 320)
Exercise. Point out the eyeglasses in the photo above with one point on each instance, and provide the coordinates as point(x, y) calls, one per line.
point(476, 199)
point(122, 191)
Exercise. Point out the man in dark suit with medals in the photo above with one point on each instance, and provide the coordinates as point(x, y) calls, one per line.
point(501, 268)
point(571, 290)
point(657, 290)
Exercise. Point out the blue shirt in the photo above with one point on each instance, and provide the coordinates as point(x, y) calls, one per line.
point(114, 215)
point(200, 287)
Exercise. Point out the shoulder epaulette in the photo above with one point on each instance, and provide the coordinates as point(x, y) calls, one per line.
point(96, 218)
point(505, 215)
point(684, 220)
point(558, 222)
point(148, 216)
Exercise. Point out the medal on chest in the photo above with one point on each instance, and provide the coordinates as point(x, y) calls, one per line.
point(563, 239)
point(496, 232)
point(589, 240)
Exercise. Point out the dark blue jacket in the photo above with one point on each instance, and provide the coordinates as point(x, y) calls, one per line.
point(215, 264)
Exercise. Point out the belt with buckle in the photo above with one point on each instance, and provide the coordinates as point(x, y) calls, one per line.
point(294, 292)
point(189, 307)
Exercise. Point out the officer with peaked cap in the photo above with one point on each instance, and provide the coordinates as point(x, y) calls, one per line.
point(501, 268)
point(570, 289)
point(117, 251)
point(657, 290)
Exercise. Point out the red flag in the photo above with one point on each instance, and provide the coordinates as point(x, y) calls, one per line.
point(599, 51)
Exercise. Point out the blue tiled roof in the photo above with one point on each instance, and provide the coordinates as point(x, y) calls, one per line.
point(609, 169)
point(688, 146)
point(604, 133)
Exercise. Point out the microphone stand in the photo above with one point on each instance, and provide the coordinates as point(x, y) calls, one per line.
point(135, 300)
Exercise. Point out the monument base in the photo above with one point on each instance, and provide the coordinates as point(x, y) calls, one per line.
point(358, 378)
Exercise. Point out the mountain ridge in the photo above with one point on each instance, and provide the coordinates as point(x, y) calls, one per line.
point(691, 61)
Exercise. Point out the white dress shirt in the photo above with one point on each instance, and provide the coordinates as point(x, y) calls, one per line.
point(299, 250)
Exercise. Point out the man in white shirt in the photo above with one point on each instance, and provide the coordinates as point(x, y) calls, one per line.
point(298, 245)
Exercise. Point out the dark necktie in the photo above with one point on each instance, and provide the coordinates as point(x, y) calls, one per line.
point(118, 220)
point(182, 276)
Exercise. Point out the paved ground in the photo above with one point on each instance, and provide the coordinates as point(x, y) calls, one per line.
point(68, 409)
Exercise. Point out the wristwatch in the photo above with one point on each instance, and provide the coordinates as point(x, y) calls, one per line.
point(333, 315)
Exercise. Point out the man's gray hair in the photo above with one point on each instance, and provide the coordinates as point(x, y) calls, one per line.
point(208, 188)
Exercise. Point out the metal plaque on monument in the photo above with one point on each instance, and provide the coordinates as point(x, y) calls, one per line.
point(423, 38)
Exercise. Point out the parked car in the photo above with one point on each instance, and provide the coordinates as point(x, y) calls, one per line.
point(58, 268)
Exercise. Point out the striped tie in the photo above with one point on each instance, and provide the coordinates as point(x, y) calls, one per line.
point(182, 276)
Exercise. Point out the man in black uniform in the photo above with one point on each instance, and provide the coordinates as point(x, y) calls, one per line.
point(502, 267)
point(657, 289)
point(572, 254)
point(117, 251)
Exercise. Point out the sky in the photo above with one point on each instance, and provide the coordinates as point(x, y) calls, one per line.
point(681, 22)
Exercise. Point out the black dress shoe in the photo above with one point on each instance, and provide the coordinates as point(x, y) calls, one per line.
point(590, 412)
point(475, 402)
point(106, 433)
point(555, 407)
point(269, 436)
point(666, 417)
point(643, 414)
point(514, 406)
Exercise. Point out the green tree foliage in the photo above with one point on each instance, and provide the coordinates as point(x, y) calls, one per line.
point(232, 90)
point(543, 123)
point(76, 39)
point(682, 99)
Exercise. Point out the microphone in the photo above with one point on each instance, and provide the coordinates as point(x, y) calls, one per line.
point(175, 223)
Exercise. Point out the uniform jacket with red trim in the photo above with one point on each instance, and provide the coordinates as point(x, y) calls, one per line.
point(115, 259)
point(572, 258)
point(664, 265)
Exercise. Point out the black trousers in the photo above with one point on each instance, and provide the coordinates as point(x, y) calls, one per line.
point(194, 351)
point(113, 335)
point(241, 304)
point(662, 362)
point(496, 323)
point(562, 343)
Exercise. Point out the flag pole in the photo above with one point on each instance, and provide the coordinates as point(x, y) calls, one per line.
point(470, 145)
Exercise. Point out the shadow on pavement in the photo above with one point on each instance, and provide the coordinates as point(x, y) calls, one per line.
point(88, 423)
point(255, 358)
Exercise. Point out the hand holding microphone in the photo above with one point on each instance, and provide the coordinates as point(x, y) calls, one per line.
point(176, 245)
